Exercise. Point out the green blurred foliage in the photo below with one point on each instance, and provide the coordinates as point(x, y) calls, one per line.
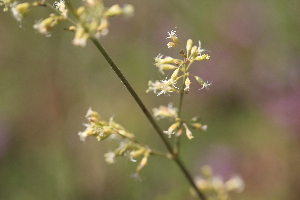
point(252, 109)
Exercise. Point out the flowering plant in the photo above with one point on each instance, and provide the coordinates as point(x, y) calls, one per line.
point(90, 21)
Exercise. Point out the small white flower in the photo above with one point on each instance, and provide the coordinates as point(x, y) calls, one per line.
point(169, 133)
point(174, 38)
point(130, 155)
point(166, 87)
point(236, 183)
point(205, 85)
point(187, 84)
point(164, 111)
point(158, 58)
point(59, 4)
point(81, 37)
point(17, 15)
point(171, 44)
point(172, 34)
point(199, 50)
point(20, 11)
point(172, 129)
point(204, 127)
point(82, 136)
point(39, 26)
point(61, 7)
point(188, 132)
point(89, 113)
point(128, 10)
point(110, 157)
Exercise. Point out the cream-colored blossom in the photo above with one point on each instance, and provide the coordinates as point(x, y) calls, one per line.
point(188, 132)
point(128, 10)
point(172, 129)
point(81, 37)
point(187, 84)
point(20, 11)
point(61, 7)
point(165, 86)
point(189, 45)
point(236, 184)
point(205, 85)
point(173, 37)
point(199, 126)
point(199, 49)
point(114, 10)
point(164, 111)
point(42, 26)
point(214, 187)
point(82, 136)
point(202, 57)
point(110, 157)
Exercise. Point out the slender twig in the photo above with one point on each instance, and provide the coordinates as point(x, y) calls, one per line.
point(181, 97)
point(158, 153)
point(148, 115)
point(181, 94)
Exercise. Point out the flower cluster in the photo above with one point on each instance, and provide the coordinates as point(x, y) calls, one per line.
point(91, 18)
point(192, 54)
point(179, 126)
point(215, 188)
point(128, 145)
point(102, 129)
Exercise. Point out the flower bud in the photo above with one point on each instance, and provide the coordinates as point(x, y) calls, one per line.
point(188, 132)
point(236, 183)
point(91, 113)
point(202, 57)
point(80, 10)
point(137, 153)
point(200, 80)
point(194, 51)
point(199, 126)
point(189, 44)
point(175, 74)
point(72, 28)
point(142, 164)
point(167, 67)
point(171, 44)
point(187, 84)
point(128, 10)
point(171, 130)
point(114, 10)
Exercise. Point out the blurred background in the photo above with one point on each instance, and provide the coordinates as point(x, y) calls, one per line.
point(252, 108)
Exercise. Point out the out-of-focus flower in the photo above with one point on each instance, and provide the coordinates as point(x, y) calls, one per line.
point(20, 11)
point(164, 111)
point(214, 187)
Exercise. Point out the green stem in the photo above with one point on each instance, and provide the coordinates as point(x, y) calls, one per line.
point(181, 94)
point(177, 142)
point(148, 115)
point(158, 153)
